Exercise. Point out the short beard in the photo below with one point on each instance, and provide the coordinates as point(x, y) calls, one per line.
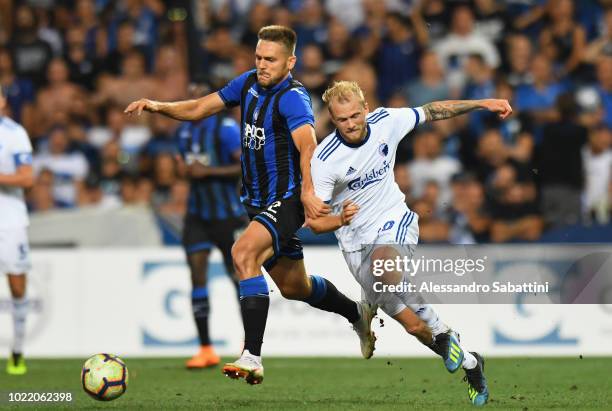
point(271, 82)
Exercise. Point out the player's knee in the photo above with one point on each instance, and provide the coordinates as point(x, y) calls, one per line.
point(20, 293)
point(243, 257)
point(18, 290)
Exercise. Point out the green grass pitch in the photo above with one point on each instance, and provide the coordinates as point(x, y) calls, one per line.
point(334, 384)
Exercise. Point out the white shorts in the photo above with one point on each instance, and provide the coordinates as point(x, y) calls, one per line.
point(360, 264)
point(14, 251)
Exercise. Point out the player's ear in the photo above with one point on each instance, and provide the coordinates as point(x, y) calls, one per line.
point(291, 62)
point(366, 107)
point(331, 115)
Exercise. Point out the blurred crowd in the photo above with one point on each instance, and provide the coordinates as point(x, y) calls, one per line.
point(71, 66)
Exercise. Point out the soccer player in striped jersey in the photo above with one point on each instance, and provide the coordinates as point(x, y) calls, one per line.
point(277, 132)
point(352, 169)
point(15, 174)
point(210, 150)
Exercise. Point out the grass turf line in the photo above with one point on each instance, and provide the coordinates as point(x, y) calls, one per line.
point(383, 383)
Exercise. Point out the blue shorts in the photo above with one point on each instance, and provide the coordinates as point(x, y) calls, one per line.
point(282, 219)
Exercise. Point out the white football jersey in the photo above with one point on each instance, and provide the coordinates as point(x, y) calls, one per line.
point(363, 173)
point(66, 168)
point(15, 150)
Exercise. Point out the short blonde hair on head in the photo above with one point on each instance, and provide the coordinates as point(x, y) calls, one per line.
point(342, 91)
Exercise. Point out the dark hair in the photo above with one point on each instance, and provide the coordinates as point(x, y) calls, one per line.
point(566, 106)
point(400, 18)
point(279, 34)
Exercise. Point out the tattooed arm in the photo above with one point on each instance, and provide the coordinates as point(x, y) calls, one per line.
point(440, 110)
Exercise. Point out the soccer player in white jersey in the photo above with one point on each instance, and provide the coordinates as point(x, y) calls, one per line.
point(15, 175)
point(352, 170)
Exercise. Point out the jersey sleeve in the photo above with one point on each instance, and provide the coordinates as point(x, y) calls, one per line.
point(231, 93)
point(405, 120)
point(322, 179)
point(230, 138)
point(22, 148)
point(296, 107)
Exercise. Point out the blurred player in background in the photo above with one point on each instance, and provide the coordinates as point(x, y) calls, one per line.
point(278, 139)
point(210, 150)
point(15, 175)
point(352, 170)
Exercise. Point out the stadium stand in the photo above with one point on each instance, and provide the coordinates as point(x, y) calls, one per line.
point(71, 66)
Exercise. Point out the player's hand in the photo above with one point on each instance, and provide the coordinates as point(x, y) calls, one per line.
point(349, 210)
point(137, 107)
point(198, 170)
point(181, 166)
point(499, 106)
point(314, 207)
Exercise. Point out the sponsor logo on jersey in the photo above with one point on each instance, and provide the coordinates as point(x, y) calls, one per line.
point(350, 171)
point(388, 225)
point(254, 137)
point(371, 177)
point(383, 149)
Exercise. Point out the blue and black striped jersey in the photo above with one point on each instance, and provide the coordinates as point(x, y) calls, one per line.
point(270, 160)
point(211, 141)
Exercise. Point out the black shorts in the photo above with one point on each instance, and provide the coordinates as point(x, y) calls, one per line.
point(282, 219)
point(199, 234)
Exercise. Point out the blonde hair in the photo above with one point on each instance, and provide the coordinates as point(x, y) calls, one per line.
point(342, 91)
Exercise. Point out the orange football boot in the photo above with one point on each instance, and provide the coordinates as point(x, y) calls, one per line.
point(205, 358)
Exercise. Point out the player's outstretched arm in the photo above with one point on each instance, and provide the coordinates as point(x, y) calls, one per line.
point(331, 223)
point(186, 110)
point(23, 177)
point(440, 110)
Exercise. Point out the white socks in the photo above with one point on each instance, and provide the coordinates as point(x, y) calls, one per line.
point(247, 354)
point(469, 361)
point(20, 310)
point(429, 317)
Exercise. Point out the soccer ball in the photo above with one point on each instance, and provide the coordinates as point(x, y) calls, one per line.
point(104, 377)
